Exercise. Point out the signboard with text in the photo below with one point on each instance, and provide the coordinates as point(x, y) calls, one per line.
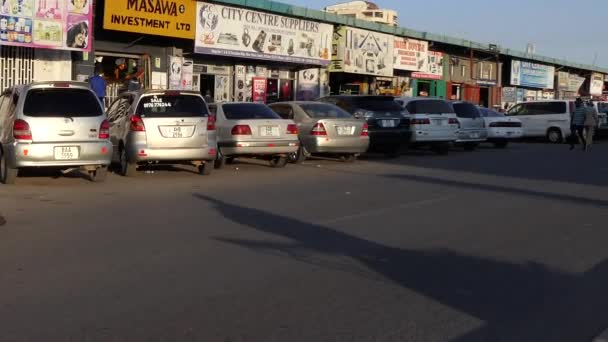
point(360, 51)
point(244, 33)
point(259, 90)
point(434, 67)
point(171, 18)
point(63, 25)
point(596, 86)
point(410, 54)
point(533, 75)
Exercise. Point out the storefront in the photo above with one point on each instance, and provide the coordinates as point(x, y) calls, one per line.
point(533, 81)
point(473, 80)
point(568, 85)
point(429, 81)
point(410, 56)
point(246, 55)
point(362, 62)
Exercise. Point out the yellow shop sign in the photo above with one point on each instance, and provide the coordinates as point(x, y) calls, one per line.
point(171, 18)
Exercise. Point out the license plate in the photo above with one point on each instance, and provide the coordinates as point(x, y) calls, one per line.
point(176, 132)
point(475, 135)
point(66, 152)
point(387, 123)
point(269, 131)
point(438, 122)
point(345, 130)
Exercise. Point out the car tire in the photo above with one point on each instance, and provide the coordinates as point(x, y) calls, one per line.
point(298, 157)
point(349, 158)
point(441, 149)
point(554, 136)
point(206, 168)
point(99, 175)
point(278, 162)
point(470, 146)
point(7, 175)
point(127, 169)
point(501, 144)
point(220, 160)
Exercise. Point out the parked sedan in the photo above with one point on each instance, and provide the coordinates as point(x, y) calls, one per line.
point(253, 130)
point(388, 124)
point(325, 129)
point(472, 130)
point(501, 129)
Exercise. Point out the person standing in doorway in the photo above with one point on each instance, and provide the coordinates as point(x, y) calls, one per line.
point(591, 121)
point(98, 84)
point(577, 124)
point(208, 97)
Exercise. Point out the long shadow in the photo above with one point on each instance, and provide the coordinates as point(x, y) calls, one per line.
point(516, 302)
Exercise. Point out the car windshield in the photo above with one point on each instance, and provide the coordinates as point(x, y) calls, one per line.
point(488, 113)
point(61, 102)
point(466, 110)
point(166, 105)
point(324, 111)
point(245, 111)
point(429, 107)
point(377, 103)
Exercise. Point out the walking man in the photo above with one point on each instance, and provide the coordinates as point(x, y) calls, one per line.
point(591, 121)
point(577, 124)
point(98, 84)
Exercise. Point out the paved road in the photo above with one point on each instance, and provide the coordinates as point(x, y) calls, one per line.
point(495, 245)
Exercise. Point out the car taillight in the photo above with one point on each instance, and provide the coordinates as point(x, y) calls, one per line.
point(365, 130)
point(292, 129)
point(318, 129)
point(21, 130)
point(420, 122)
point(137, 124)
point(453, 121)
point(241, 130)
point(104, 130)
point(211, 123)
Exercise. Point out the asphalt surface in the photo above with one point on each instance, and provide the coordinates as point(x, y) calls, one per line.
point(493, 245)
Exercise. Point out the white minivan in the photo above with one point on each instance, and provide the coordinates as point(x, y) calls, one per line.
point(546, 118)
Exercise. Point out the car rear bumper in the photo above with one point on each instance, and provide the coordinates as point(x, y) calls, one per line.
point(505, 133)
point(231, 148)
point(355, 144)
point(472, 135)
point(431, 136)
point(138, 154)
point(43, 154)
point(379, 138)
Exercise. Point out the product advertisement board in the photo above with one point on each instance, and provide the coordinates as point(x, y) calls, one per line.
point(434, 67)
point(533, 75)
point(309, 87)
point(259, 90)
point(410, 54)
point(171, 18)
point(362, 52)
point(596, 86)
point(49, 24)
point(239, 32)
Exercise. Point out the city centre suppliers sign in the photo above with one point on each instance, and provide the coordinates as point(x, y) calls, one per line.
point(596, 86)
point(239, 32)
point(410, 54)
point(49, 24)
point(533, 75)
point(171, 18)
point(362, 52)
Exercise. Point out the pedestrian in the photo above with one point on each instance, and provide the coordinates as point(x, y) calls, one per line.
point(577, 124)
point(591, 121)
point(208, 97)
point(98, 84)
point(133, 83)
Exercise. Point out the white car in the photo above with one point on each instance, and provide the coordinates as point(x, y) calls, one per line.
point(432, 121)
point(501, 129)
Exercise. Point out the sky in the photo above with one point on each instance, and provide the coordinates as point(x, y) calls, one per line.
point(574, 30)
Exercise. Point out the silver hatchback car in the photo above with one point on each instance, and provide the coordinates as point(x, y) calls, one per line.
point(162, 127)
point(53, 124)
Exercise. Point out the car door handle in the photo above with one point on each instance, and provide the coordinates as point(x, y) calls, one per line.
point(66, 133)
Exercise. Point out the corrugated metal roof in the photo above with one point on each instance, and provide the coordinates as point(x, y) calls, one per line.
point(312, 14)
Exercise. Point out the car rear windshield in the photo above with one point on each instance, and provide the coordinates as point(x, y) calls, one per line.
point(324, 111)
point(246, 111)
point(466, 110)
point(61, 102)
point(429, 107)
point(377, 103)
point(163, 106)
point(488, 113)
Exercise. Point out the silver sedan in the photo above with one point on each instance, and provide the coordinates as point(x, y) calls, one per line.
point(325, 129)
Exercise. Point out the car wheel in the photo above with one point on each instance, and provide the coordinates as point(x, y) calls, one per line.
point(220, 160)
point(127, 169)
point(206, 168)
point(7, 174)
point(99, 175)
point(501, 144)
point(554, 136)
point(298, 157)
point(470, 146)
point(278, 162)
point(349, 158)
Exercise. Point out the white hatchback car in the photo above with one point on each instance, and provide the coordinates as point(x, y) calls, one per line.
point(432, 121)
point(501, 129)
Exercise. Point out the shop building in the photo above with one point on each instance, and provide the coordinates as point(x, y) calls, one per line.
point(528, 81)
point(418, 70)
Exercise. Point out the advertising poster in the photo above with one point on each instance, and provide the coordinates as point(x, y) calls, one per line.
point(563, 80)
point(241, 91)
point(362, 52)
point(308, 85)
point(259, 90)
point(509, 94)
point(532, 75)
point(222, 88)
point(187, 70)
point(410, 54)
point(50, 24)
point(575, 83)
point(434, 67)
point(175, 72)
point(238, 32)
point(596, 86)
point(171, 18)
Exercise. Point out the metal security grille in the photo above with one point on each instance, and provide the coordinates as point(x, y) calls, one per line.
point(16, 66)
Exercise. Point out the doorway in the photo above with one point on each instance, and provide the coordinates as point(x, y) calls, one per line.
point(207, 86)
point(456, 92)
point(424, 88)
point(484, 97)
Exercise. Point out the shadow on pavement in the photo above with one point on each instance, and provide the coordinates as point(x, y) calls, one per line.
point(516, 302)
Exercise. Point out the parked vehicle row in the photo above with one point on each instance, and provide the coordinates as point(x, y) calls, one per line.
point(63, 125)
